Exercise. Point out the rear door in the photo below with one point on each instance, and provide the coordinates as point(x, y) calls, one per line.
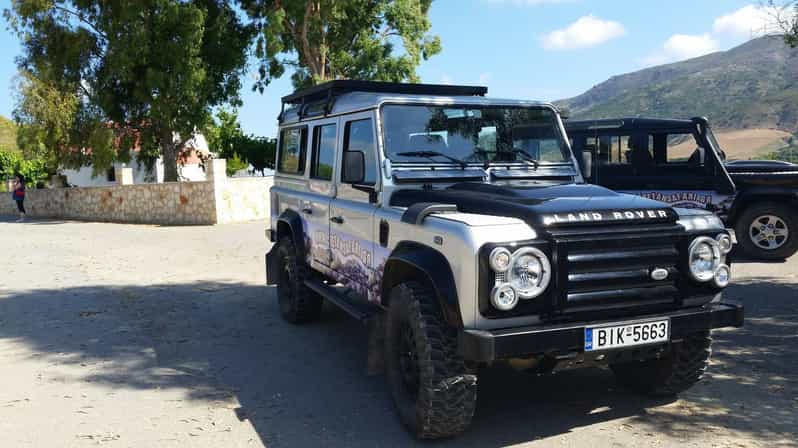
point(352, 210)
point(321, 188)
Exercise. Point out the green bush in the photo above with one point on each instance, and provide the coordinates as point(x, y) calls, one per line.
point(12, 163)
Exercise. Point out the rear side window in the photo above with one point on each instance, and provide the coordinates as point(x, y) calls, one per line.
point(359, 136)
point(321, 162)
point(292, 151)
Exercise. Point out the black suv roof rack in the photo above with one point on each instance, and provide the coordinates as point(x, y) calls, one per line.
point(338, 87)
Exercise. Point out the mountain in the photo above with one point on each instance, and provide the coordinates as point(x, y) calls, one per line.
point(8, 134)
point(754, 85)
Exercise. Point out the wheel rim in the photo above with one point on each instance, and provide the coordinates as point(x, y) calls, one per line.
point(408, 361)
point(769, 232)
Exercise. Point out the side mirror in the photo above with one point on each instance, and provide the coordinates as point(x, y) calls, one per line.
point(565, 112)
point(587, 164)
point(354, 167)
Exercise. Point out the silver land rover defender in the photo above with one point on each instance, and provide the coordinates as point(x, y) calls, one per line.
point(460, 229)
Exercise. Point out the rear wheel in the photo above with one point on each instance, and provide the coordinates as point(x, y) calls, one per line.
point(768, 231)
point(298, 303)
point(675, 372)
point(434, 392)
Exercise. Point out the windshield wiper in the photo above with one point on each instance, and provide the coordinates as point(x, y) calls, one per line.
point(430, 154)
point(524, 155)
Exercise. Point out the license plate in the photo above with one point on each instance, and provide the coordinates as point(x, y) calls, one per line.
point(626, 335)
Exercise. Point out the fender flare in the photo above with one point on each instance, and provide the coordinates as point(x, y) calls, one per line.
point(408, 260)
point(289, 222)
point(747, 196)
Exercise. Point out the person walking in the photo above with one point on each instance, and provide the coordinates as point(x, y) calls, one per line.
point(18, 195)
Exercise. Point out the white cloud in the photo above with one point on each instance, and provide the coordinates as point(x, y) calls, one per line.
point(683, 46)
point(587, 31)
point(446, 79)
point(484, 77)
point(750, 21)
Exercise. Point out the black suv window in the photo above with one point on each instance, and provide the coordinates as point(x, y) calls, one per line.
point(321, 162)
point(359, 136)
point(292, 151)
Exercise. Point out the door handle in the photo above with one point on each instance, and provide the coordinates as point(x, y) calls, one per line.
point(337, 219)
point(307, 210)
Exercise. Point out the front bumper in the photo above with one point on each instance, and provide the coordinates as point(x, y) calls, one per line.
point(558, 339)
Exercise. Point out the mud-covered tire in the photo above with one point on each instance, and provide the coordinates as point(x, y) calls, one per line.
point(782, 214)
point(673, 373)
point(298, 303)
point(440, 402)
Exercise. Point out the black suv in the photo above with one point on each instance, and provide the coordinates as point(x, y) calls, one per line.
point(680, 162)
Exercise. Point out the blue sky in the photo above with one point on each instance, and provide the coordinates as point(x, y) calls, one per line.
point(535, 49)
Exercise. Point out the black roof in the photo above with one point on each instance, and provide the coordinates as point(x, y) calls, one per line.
point(632, 123)
point(339, 87)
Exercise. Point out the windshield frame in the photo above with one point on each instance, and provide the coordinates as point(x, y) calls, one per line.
point(520, 163)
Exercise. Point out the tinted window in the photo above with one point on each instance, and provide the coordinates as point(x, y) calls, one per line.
point(292, 151)
point(359, 136)
point(323, 152)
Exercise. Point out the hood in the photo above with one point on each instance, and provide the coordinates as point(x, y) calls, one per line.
point(545, 206)
point(763, 172)
point(760, 166)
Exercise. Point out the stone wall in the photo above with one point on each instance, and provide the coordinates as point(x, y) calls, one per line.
point(243, 199)
point(219, 200)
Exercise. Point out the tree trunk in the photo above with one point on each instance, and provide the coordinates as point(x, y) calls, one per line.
point(169, 155)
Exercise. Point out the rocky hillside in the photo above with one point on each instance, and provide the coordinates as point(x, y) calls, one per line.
point(754, 85)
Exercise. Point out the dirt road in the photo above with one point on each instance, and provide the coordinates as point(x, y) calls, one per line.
point(140, 336)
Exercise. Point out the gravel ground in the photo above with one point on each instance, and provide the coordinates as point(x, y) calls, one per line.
point(143, 336)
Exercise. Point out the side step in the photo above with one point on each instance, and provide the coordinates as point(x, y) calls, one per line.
point(358, 310)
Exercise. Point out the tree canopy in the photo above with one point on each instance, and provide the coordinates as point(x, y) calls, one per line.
point(227, 139)
point(334, 39)
point(156, 67)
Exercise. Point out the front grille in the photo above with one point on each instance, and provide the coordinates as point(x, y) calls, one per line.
point(612, 270)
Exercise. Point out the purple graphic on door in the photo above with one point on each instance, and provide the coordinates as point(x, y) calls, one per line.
point(354, 262)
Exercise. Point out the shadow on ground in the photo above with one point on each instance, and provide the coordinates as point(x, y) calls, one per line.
point(306, 386)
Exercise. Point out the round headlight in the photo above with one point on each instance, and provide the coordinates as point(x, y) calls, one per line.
point(504, 297)
point(500, 259)
point(530, 272)
point(722, 276)
point(724, 243)
point(704, 258)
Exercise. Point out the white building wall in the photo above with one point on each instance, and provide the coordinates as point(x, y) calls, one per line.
point(83, 177)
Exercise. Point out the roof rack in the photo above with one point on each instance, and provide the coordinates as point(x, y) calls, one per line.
point(329, 90)
point(341, 86)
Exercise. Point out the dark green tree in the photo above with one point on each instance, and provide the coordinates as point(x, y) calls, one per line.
point(335, 39)
point(227, 139)
point(153, 67)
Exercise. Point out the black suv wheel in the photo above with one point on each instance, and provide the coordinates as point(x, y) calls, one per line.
point(298, 303)
point(434, 392)
point(768, 231)
point(675, 372)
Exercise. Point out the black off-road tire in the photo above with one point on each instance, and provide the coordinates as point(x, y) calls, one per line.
point(442, 399)
point(298, 303)
point(672, 374)
point(751, 213)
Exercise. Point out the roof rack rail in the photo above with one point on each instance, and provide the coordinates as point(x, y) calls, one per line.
point(329, 90)
point(341, 86)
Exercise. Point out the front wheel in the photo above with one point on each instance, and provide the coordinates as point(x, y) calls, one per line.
point(768, 231)
point(671, 374)
point(434, 392)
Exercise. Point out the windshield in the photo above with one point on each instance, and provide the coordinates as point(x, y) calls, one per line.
point(472, 134)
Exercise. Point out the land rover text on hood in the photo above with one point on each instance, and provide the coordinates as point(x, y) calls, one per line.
point(460, 230)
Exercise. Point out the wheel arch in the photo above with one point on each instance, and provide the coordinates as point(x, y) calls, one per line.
point(414, 261)
point(761, 195)
point(289, 223)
